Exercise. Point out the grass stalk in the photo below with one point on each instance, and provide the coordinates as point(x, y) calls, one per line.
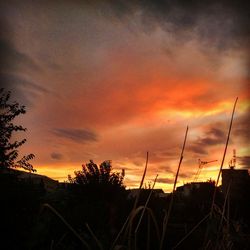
point(121, 231)
point(148, 232)
point(141, 183)
point(155, 223)
point(208, 245)
point(61, 240)
point(128, 219)
point(191, 231)
point(53, 210)
point(223, 214)
point(224, 154)
point(133, 216)
point(52, 245)
point(144, 209)
point(166, 218)
point(221, 166)
point(94, 236)
point(146, 205)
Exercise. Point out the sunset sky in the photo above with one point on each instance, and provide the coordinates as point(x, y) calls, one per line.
point(111, 80)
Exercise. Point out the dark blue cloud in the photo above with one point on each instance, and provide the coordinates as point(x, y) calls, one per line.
point(218, 23)
point(77, 135)
point(56, 156)
point(23, 90)
point(244, 161)
point(214, 136)
point(14, 59)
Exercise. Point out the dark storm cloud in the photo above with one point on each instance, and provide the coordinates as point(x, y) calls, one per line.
point(54, 66)
point(18, 81)
point(48, 62)
point(56, 156)
point(24, 90)
point(196, 148)
point(14, 59)
point(241, 127)
point(213, 136)
point(77, 135)
point(217, 133)
point(222, 23)
point(10, 58)
point(244, 161)
point(219, 23)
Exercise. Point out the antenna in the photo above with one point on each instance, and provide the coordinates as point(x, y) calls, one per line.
point(200, 166)
point(232, 162)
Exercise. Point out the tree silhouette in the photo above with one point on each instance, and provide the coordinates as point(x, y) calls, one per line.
point(97, 196)
point(8, 149)
point(92, 174)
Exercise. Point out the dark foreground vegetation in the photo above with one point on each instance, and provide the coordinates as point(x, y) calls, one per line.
point(91, 216)
point(93, 210)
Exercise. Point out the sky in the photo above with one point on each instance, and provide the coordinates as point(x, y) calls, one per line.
point(113, 80)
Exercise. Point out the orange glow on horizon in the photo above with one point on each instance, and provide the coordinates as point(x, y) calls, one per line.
point(131, 180)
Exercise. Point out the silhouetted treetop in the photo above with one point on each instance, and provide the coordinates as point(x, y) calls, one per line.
point(92, 174)
point(8, 149)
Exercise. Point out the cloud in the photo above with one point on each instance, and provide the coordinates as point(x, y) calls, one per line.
point(217, 133)
point(241, 127)
point(13, 59)
point(166, 169)
point(56, 156)
point(48, 62)
point(141, 79)
point(77, 135)
point(244, 161)
point(165, 180)
point(15, 80)
point(185, 175)
point(54, 66)
point(24, 90)
point(213, 136)
point(222, 24)
point(196, 148)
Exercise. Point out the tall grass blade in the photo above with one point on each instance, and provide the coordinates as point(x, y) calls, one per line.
point(127, 221)
point(133, 216)
point(121, 231)
point(146, 204)
point(144, 209)
point(224, 155)
point(148, 232)
point(166, 219)
point(53, 210)
point(94, 237)
point(223, 214)
point(192, 230)
point(221, 166)
point(61, 240)
point(141, 183)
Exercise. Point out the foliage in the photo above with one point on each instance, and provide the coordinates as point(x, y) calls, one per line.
point(97, 196)
point(92, 174)
point(8, 149)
